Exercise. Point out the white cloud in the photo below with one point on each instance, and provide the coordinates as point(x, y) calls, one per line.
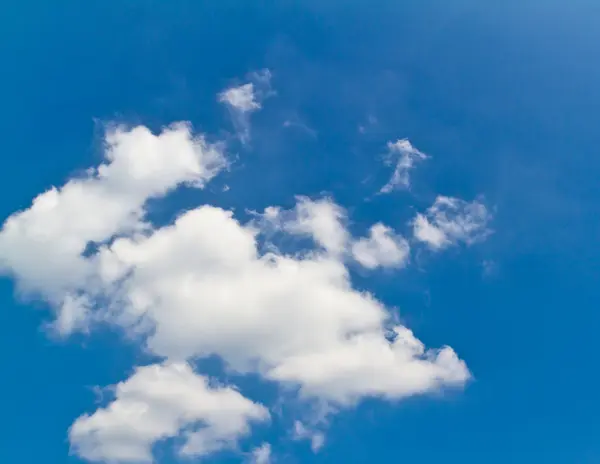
point(159, 402)
point(261, 454)
point(323, 221)
point(203, 286)
point(403, 155)
point(450, 221)
point(246, 98)
point(383, 248)
point(241, 98)
point(294, 319)
point(302, 432)
point(43, 246)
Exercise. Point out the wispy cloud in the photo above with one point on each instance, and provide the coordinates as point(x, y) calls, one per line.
point(315, 438)
point(450, 221)
point(403, 156)
point(244, 99)
point(261, 454)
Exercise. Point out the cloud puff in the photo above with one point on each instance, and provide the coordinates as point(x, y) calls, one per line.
point(159, 402)
point(241, 98)
point(450, 221)
point(244, 99)
point(403, 155)
point(383, 248)
point(44, 246)
point(322, 220)
point(261, 454)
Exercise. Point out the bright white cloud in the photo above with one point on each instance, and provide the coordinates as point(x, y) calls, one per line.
point(450, 221)
point(403, 155)
point(296, 320)
point(159, 402)
point(43, 246)
point(383, 248)
point(241, 98)
point(204, 285)
point(201, 287)
point(261, 454)
point(322, 220)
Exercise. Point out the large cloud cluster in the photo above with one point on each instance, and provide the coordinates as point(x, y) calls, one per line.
point(204, 285)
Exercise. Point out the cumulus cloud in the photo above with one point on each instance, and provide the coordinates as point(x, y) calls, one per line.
point(43, 247)
point(322, 220)
point(403, 156)
point(295, 319)
point(201, 287)
point(450, 221)
point(204, 285)
point(383, 248)
point(159, 402)
point(246, 98)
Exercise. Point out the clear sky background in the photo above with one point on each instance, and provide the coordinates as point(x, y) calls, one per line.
point(503, 97)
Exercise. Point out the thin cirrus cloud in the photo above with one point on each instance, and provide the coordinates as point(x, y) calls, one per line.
point(403, 156)
point(315, 438)
point(292, 318)
point(242, 100)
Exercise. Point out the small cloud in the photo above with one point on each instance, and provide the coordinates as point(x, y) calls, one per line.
point(162, 401)
point(241, 98)
point(261, 455)
point(245, 99)
point(322, 220)
point(316, 438)
point(383, 248)
point(450, 221)
point(403, 155)
point(290, 124)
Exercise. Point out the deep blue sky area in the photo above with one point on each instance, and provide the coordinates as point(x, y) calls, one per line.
point(504, 96)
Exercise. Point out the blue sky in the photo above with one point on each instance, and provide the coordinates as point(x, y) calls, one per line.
point(501, 97)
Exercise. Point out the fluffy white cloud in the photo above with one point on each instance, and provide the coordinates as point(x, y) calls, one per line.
point(403, 155)
point(43, 246)
point(201, 287)
point(261, 455)
point(205, 285)
point(159, 402)
point(322, 220)
point(383, 248)
point(450, 221)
